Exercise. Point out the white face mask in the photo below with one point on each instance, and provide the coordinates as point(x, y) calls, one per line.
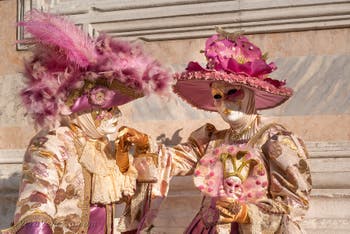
point(99, 123)
point(108, 126)
point(106, 121)
point(233, 102)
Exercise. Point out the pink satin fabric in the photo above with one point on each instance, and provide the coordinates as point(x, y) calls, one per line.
point(35, 227)
point(97, 225)
point(98, 218)
point(83, 104)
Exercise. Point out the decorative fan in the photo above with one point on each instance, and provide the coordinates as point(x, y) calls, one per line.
point(233, 171)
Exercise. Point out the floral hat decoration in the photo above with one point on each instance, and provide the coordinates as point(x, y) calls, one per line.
point(71, 72)
point(233, 59)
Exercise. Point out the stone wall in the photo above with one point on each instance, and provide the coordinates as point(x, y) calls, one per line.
point(314, 62)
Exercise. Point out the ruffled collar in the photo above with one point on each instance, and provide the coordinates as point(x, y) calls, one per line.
point(97, 155)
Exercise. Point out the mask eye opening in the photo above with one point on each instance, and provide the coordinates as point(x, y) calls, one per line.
point(217, 96)
point(231, 92)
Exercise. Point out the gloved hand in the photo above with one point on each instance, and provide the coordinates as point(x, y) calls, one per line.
point(129, 136)
point(232, 211)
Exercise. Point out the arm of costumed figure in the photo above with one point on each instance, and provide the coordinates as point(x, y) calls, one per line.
point(289, 186)
point(179, 160)
point(58, 40)
point(37, 194)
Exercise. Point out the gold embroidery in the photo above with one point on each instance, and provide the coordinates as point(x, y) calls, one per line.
point(72, 222)
point(116, 85)
point(85, 215)
point(278, 209)
point(288, 142)
point(125, 89)
point(85, 204)
point(35, 217)
point(58, 220)
point(238, 165)
point(235, 136)
point(261, 132)
point(46, 154)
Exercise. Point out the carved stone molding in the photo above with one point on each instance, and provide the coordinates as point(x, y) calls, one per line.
point(180, 19)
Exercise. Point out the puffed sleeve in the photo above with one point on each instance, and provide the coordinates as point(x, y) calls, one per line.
point(41, 174)
point(181, 159)
point(289, 186)
point(172, 161)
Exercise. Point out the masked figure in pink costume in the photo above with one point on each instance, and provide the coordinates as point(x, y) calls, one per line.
point(74, 170)
point(254, 175)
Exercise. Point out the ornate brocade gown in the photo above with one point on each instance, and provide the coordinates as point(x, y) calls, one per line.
point(289, 182)
point(64, 173)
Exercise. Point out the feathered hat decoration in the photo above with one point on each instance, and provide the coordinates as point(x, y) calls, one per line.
point(231, 59)
point(71, 72)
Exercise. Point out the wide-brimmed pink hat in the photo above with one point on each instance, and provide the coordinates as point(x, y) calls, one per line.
point(235, 60)
point(70, 72)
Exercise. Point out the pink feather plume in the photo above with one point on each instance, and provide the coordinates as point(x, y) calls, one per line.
point(65, 57)
point(56, 31)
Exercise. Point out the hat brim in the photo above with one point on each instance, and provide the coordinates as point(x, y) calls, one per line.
point(194, 88)
point(82, 103)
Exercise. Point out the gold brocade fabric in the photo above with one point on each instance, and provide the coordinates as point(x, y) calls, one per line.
point(285, 159)
point(61, 174)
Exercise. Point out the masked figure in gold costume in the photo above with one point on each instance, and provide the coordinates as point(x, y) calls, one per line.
point(74, 170)
point(254, 175)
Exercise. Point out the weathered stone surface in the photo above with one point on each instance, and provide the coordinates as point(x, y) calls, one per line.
point(11, 60)
point(164, 19)
point(9, 184)
point(11, 109)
